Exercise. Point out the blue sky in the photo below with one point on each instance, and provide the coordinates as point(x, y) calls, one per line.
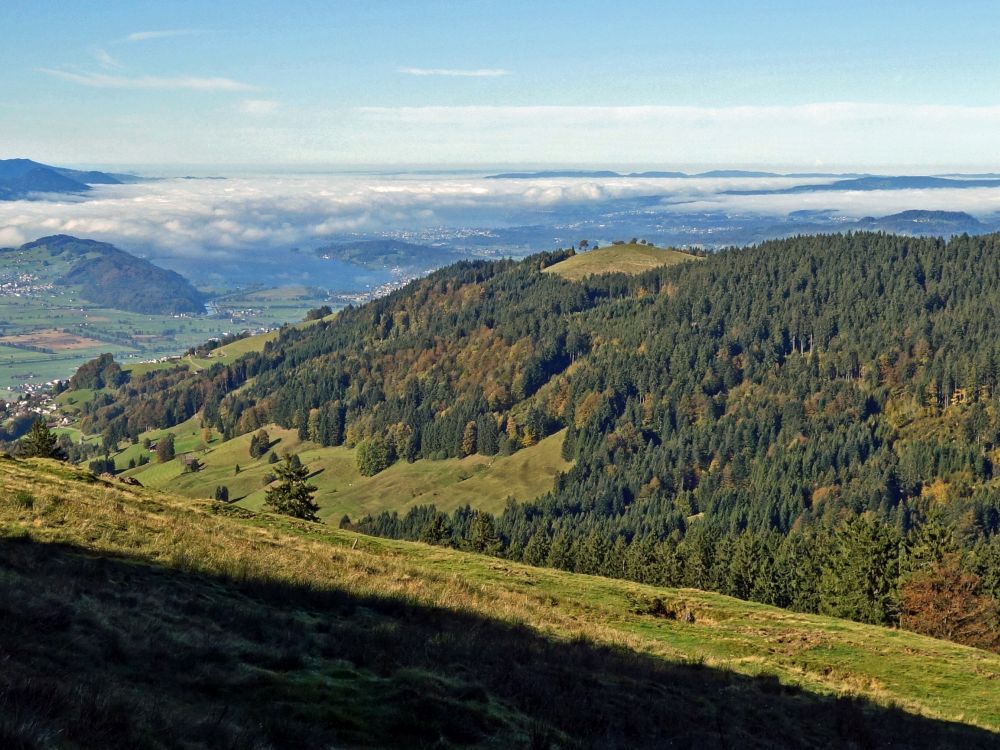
point(461, 83)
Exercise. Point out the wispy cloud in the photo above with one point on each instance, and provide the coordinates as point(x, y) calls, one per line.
point(145, 36)
point(105, 59)
point(106, 81)
point(817, 114)
point(831, 132)
point(259, 106)
point(456, 72)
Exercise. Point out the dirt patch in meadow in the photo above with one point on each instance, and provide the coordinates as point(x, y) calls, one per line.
point(51, 339)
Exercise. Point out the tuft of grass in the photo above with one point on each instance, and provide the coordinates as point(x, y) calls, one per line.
point(22, 499)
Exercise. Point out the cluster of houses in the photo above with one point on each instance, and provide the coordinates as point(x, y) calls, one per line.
point(22, 285)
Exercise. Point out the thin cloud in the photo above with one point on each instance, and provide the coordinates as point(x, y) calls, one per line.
point(259, 106)
point(145, 36)
point(456, 72)
point(105, 59)
point(832, 132)
point(192, 83)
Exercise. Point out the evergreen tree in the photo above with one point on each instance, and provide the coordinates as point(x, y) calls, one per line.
point(436, 531)
point(536, 551)
point(860, 577)
point(39, 442)
point(292, 496)
point(165, 448)
point(560, 552)
point(483, 535)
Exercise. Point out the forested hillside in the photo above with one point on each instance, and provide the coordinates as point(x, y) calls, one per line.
point(105, 275)
point(758, 422)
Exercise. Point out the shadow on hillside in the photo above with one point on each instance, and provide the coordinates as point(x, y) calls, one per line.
point(106, 652)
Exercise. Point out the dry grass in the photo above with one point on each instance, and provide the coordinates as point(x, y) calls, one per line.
point(396, 632)
point(628, 258)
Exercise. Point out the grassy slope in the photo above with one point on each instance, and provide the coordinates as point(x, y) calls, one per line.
point(629, 258)
point(224, 355)
point(269, 632)
point(481, 481)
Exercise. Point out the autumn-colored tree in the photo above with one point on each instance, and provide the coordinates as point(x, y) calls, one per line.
point(947, 601)
point(165, 448)
point(469, 439)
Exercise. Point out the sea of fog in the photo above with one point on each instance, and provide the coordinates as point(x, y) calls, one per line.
point(262, 228)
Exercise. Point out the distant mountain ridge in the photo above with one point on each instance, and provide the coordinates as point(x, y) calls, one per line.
point(113, 278)
point(717, 173)
point(390, 253)
point(21, 178)
point(874, 182)
point(925, 222)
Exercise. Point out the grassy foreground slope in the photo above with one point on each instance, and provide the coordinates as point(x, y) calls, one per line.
point(630, 258)
point(129, 618)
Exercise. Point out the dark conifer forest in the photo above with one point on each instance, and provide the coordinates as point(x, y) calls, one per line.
point(811, 422)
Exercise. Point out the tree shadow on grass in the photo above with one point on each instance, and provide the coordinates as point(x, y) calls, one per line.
point(112, 652)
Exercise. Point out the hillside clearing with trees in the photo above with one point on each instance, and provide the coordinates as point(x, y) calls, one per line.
point(629, 258)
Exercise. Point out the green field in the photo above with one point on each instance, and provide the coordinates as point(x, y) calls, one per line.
point(628, 258)
point(272, 632)
point(484, 482)
point(131, 337)
point(223, 355)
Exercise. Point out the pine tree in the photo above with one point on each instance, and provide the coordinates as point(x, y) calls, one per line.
point(222, 493)
point(292, 496)
point(39, 442)
point(483, 535)
point(436, 531)
point(860, 576)
point(536, 551)
point(569, 443)
point(561, 552)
